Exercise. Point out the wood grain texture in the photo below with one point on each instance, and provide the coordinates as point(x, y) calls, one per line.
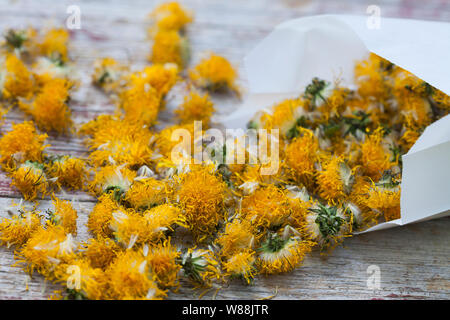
point(413, 260)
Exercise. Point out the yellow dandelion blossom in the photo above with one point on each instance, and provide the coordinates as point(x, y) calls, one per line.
point(214, 73)
point(146, 193)
point(300, 202)
point(335, 103)
point(163, 263)
point(116, 179)
point(384, 197)
point(70, 172)
point(170, 47)
point(165, 144)
point(363, 216)
point(162, 77)
point(285, 116)
point(140, 103)
point(48, 248)
point(374, 158)
point(50, 110)
point(115, 141)
point(201, 267)
point(131, 228)
point(126, 150)
point(237, 236)
point(16, 230)
point(130, 278)
point(241, 266)
point(101, 216)
point(195, 108)
point(201, 195)
point(266, 208)
point(20, 144)
point(408, 138)
point(30, 180)
point(64, 215)
point(335, 180)
point(100, 252)
point(301, 156)
point(280, 255)
point(108, 73)
point(371, 78)
point(441, 99)
point(405, 83)
point(418, 108)
point(82, 280)
point(170, 16)
point(17, 80)
point(54, 45)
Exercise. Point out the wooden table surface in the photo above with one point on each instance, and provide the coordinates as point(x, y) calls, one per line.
point(413, 260)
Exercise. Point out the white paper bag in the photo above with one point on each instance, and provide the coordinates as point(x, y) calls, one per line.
point(327, 47)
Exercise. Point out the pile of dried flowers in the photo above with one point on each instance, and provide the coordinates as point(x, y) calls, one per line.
point(340, 168)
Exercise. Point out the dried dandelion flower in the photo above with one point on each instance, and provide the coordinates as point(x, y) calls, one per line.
point(68, 171)
point(146, 193)
point(201, 195)
point(286, 116)
point(374, 158)
point(131, 228)
point(16, 231)
point(165, 144)
point(442, 100)
point(30, 180)
point(327, 225)
point(170, 47)
point(163, 263)
point(335, 180)
point(54, 45)
point(384, 197)
point(371, 77)
point(108, 73)
point(47, 69)
point(162, 77)
point(119, 142)
point(266, 208)
point(48, 248)
point(18, 41)
point(140, 103)
point(49, 110)
point(64, 215)
point(237, 236)
point(241, 266)
point(300, 202)
point(101, 216)
point(100, 252)
point(83, 280)
point(130, 278)
point(170, 16)
point(301, 155)
point(16, 81)
point(215, 73)
point(201, 267)
point(326, 98)
point(278, 254)
point(195, 108)
point(114, 179)
point(123, 151)
point(20, 144)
